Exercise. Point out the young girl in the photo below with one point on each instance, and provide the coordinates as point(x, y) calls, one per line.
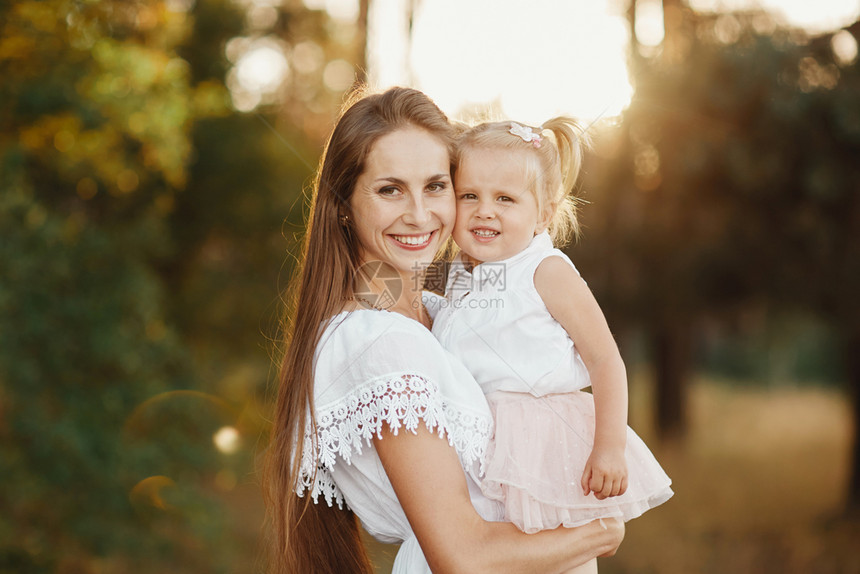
point(521, 319)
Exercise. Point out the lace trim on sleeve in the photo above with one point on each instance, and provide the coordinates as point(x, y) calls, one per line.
point(399, 401)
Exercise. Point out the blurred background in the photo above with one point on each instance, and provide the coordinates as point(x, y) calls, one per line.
point(155, 159)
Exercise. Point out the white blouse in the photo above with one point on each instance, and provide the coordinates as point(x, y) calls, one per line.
point(375, 368)
point(494, 320)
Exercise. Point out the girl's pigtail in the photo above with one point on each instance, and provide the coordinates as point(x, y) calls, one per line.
point(571, 141)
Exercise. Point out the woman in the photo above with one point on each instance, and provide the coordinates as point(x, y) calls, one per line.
point(383, 208)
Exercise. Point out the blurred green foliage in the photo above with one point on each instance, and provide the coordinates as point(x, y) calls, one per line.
point(142, 222)
point(118, 163)
point(83, 344)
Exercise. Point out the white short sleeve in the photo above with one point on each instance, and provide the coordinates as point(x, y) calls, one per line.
point(375, 368)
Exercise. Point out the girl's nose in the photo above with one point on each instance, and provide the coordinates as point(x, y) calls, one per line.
point(485, 210)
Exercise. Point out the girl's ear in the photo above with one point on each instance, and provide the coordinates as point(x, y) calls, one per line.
point(545, 218)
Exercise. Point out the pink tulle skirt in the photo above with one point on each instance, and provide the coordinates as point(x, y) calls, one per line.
point(538, 454)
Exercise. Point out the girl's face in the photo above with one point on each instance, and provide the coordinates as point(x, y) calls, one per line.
point(403, 204)
point(497, 214)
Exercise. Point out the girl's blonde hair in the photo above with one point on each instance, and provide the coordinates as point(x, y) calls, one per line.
point(552, 165)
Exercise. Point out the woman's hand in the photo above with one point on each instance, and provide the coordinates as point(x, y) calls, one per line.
point(615, 529)
point(605, 473)
point(431, 487)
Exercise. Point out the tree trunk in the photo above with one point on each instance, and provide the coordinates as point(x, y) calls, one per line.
point(672, 362)
point(631, 19)
point(672, 30)
point(361, 76)
point(852, 363)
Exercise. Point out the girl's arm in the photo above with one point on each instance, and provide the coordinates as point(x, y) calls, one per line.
point(570, 302)
point(431, 487)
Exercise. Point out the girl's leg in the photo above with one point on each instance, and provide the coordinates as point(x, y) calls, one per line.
point(589, 567)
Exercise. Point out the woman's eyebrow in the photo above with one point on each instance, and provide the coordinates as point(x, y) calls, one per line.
point(390, 179)
point(398, 181)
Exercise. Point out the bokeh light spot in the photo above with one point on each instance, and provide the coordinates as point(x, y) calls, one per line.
point(844, 46)
point(338, 75)
point(147, 492)
point(127, 181)
point(307, 57)
point(344, 10)
point(649, 22)
point(225, 479)
point(137, 123)
point(64, 141)
point(87, 188)
point(262, 69)
point(261, 17)
point(227, 439)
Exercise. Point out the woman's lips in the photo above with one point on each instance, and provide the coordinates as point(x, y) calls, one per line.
point(413, 242)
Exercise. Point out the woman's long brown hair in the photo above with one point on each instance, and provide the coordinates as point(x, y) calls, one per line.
point(307, 536)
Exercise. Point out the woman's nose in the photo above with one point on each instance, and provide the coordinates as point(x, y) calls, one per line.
point(417, 213)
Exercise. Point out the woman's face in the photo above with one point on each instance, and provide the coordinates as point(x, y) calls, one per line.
point(403, 204)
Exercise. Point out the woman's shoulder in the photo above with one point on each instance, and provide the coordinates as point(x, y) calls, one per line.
point(360, 325)
point(371, 357)
point(366, 344)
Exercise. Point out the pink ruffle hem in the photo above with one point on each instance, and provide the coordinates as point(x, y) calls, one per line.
point(538, 454)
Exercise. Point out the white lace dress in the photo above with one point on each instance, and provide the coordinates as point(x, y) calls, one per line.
point(374, 368)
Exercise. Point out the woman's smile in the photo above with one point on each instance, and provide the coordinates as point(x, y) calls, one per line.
point(403, 206)
point(413, 242)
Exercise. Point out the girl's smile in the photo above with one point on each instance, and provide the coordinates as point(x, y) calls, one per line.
point(497, 213)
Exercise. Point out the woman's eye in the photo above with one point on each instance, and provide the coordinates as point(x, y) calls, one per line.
point(389, 190)
point(437, 186)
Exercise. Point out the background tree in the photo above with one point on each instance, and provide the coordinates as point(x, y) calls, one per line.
point(142, 219)
point(96, 109)
point(729, 190)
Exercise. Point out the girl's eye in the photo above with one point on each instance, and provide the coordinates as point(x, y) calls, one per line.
point(467, 196)
point(505, 198)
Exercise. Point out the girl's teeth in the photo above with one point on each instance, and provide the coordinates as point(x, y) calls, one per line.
point(485, 233)
point(413, 239)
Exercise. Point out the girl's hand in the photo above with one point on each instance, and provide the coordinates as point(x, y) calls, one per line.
point(605, 473)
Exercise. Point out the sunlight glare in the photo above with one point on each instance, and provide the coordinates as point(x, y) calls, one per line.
point(818, 16)
point(649, 22)
point(532, 61)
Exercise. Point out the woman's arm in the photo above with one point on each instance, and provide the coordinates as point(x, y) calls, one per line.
point(570, 302)
point(431, 487)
